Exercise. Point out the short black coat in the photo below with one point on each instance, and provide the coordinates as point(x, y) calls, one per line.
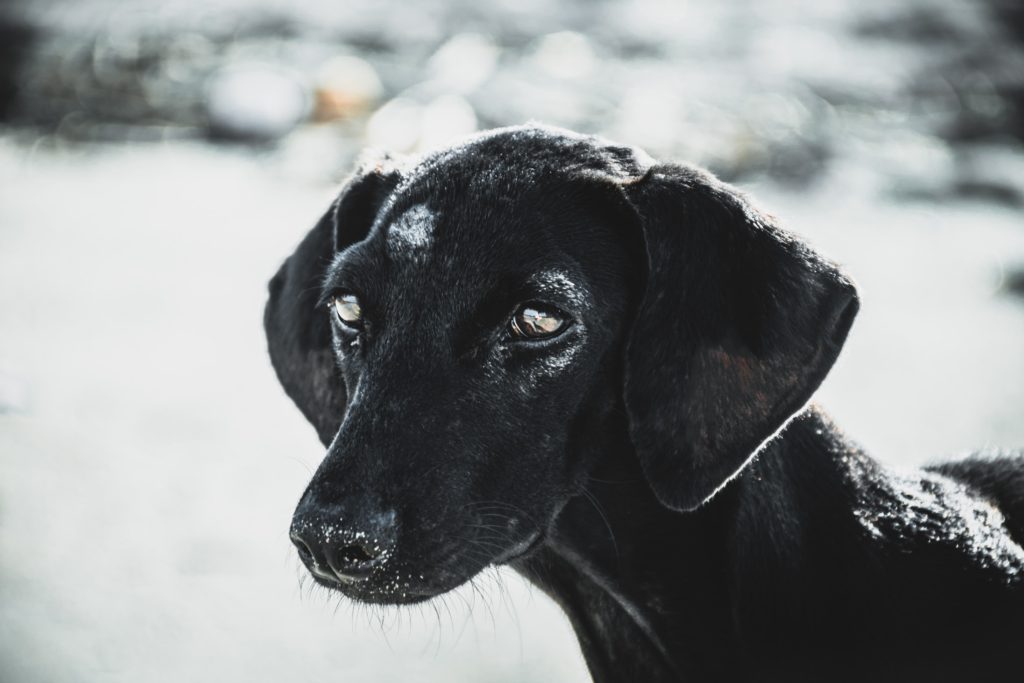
point(664, 481)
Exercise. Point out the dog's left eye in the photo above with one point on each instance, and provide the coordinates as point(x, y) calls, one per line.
point(348, 310)
point(532, 321)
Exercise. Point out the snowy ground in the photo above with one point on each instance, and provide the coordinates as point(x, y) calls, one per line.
point(149, 461)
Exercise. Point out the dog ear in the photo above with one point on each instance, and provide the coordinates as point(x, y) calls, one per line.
point(739, 324)
point(298, 331)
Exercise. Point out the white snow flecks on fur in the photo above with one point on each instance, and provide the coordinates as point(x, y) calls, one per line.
point(560, 282)
point(550, 367)
point(927, 507)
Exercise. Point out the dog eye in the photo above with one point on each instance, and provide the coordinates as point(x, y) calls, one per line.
point(348, 310)
point(533, 322)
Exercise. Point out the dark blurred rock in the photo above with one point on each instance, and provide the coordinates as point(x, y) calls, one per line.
point(932, 24)
point(16, 42)
point(990, 191)
point(1013, 281)
point(990, 90)
point(1010, 14)
point(992, 172)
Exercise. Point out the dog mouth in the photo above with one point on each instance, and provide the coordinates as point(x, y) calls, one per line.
point(395, 592)
point(402, 584)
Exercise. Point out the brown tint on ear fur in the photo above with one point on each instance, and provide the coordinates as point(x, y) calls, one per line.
point(739, 324)
point(298, 331)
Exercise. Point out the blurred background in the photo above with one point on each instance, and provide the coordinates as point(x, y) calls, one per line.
point(159, 159)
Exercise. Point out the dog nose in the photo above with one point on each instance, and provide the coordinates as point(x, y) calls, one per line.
point(335, 551)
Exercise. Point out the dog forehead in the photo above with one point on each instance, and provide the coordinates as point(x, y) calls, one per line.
point(447, 253)
point(490, 177)
point(500, 204)
point(466, 220)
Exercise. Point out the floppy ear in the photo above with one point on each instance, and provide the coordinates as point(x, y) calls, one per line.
point(739, 324)
point(298, 331)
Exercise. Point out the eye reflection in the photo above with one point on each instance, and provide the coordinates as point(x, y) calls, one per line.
point(534, 322)
point(348, 310)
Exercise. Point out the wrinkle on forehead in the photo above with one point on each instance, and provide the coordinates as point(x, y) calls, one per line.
point(413, 231)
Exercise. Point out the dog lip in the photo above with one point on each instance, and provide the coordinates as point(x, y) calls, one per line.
point(521, 549)
point(348, 578)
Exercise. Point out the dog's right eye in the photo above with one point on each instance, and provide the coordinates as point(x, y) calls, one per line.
point(535, 321)
point(348, 310)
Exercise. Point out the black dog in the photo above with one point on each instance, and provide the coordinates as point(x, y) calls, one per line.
point(542, 349)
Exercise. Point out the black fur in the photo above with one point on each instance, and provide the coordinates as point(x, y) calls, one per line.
point(653, 468)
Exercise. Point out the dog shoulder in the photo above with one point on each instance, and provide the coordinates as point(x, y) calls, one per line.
point(995, 477)
point(969, 513)
point(842, 553)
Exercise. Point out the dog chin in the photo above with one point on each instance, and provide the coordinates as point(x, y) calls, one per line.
point(386, 591)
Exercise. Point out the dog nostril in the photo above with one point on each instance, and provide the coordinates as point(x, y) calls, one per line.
point(304, 551)
point(355, 561)
point(354, 555)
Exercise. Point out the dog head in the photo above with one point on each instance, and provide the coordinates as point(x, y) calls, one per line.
point(464, 331)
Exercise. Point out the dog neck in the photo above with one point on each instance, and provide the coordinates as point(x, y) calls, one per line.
point(653, 593)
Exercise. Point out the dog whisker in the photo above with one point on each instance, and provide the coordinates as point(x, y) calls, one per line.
point(604, 519)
